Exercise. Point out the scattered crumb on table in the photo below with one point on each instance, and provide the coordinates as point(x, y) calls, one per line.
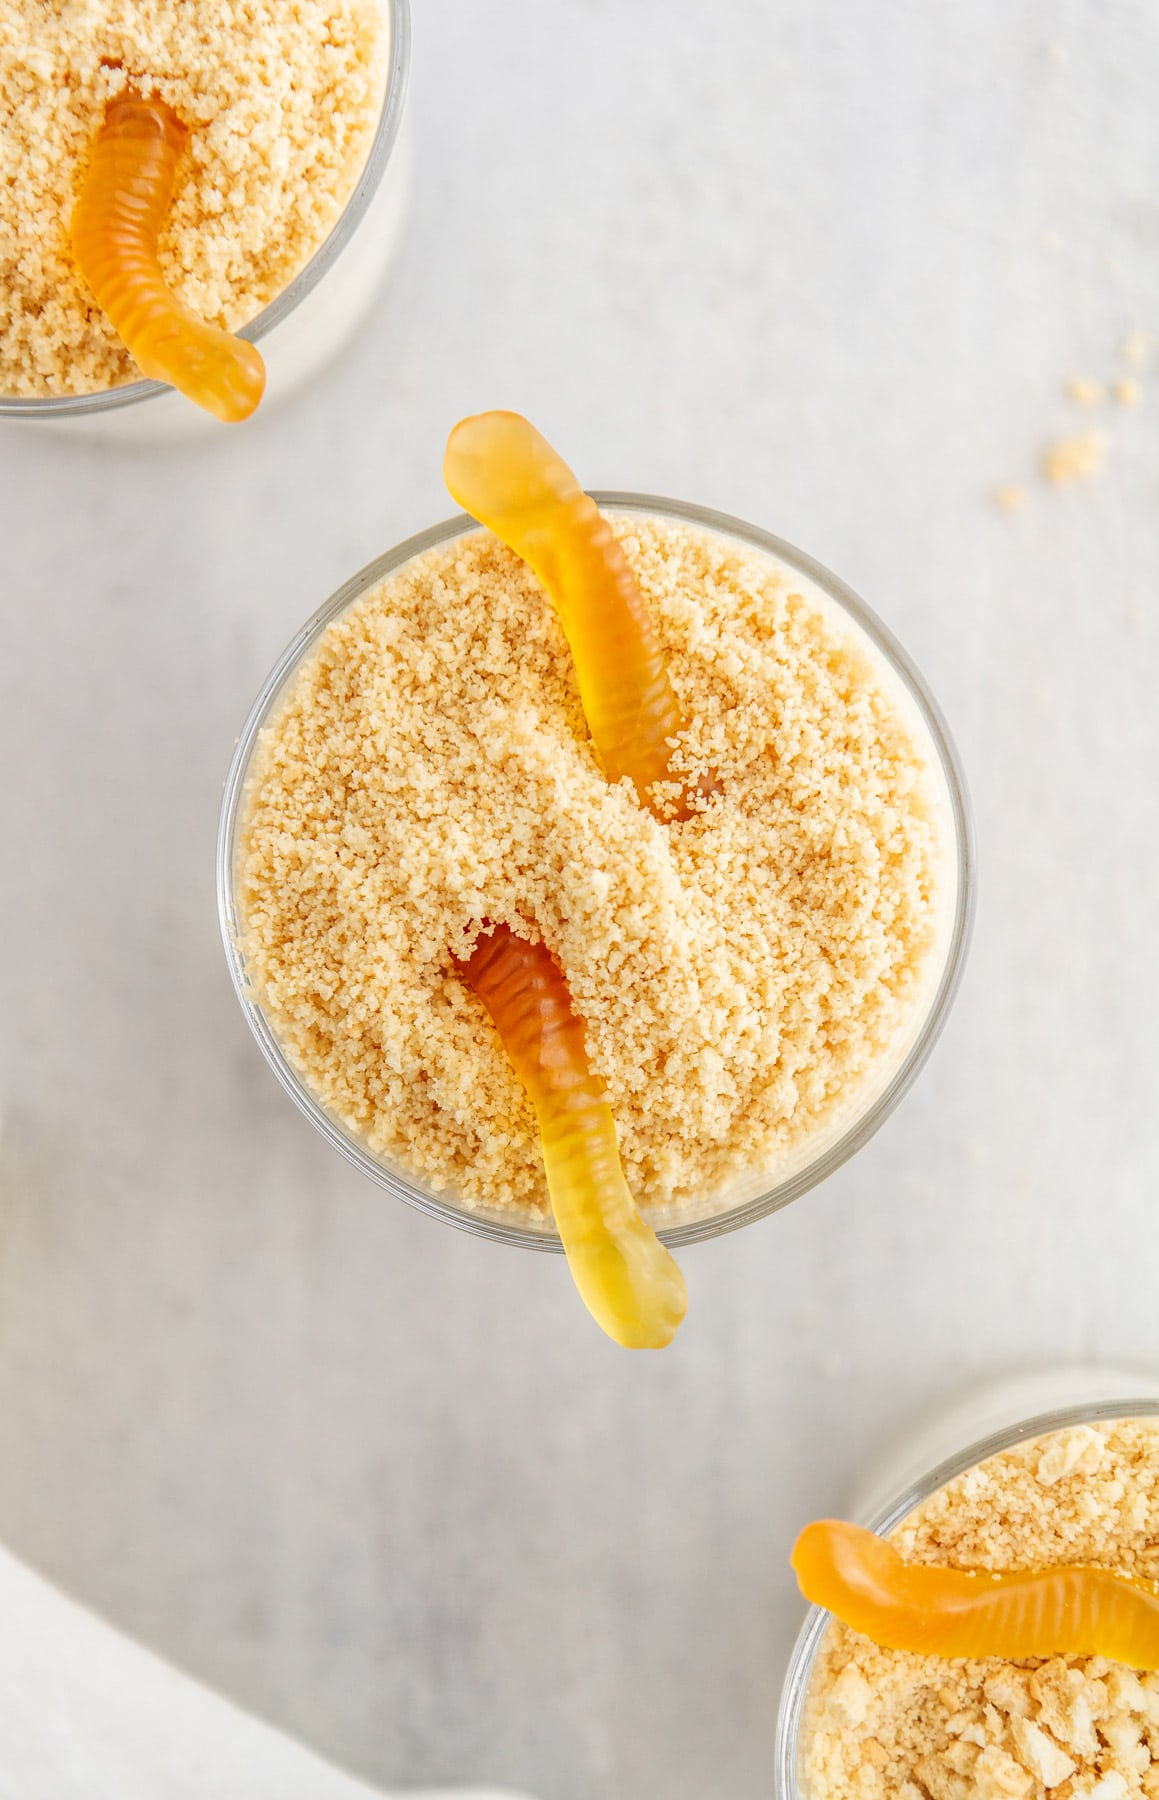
point(1077, 458)
point(1085, 390)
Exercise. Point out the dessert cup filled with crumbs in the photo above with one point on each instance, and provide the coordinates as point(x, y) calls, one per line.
point(288, 193)
point(760, 979)
point(1073, 1487)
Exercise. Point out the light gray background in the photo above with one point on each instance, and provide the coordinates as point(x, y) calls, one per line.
point(382, 1482)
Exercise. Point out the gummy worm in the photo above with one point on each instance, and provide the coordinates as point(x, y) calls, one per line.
point(626, 1278)
point(122, 204)
point(501, 471)
point(1077, 1610)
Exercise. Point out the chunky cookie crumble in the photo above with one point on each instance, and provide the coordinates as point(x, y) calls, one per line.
point(888, 1725)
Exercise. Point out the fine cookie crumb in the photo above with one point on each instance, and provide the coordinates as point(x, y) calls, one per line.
point(1126, 391)
point(1070, 1728)
point(1011, 498)
point(282, 103)
point(1078, 458)
point(1085, 390)
point(745, 977)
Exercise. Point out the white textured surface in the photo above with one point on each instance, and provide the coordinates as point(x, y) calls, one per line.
point(89, 1715)
point(384, 1483)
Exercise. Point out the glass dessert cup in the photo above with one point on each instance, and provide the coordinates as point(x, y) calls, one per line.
point(754, 1199)
point(1009, 1413)
point(310, 320)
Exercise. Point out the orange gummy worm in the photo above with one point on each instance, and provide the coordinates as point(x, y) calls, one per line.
point(626, 1278)
point(1071, 1611)
point(122, 204)
point(507, 476)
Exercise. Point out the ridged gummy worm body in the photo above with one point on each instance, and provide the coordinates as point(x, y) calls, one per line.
point(626, 1278)
point(1077, 1610)
point(500, 469)
point(120, 211)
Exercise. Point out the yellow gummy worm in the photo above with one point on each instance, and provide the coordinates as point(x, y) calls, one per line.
point(500, 470)
point(119, 212)
point(1071, 1611)
point(626, 1278)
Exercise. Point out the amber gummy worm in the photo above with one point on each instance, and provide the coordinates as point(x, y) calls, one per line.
point(499, 468)
point(120, 210)
point(1076, 1610)
point(626, 1278)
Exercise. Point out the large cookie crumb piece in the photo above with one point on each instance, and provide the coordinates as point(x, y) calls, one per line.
point(1078, 458)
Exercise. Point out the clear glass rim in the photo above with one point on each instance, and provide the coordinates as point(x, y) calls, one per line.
point(786, 1781)
point(60, 406)
point(701, 1227)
